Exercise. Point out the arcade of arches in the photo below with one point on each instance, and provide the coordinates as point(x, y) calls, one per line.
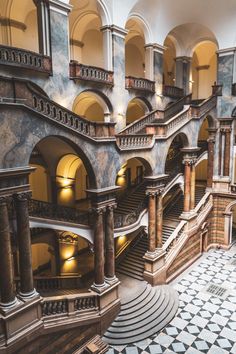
point(117, 160)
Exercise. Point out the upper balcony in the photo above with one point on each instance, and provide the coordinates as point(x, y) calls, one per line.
point(25, 59)
point(173, 91)
point(90, 73)
point(140, 84)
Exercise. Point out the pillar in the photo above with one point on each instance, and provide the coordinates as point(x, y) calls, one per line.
point(27, 290)
point(158, 67)
point(193, 183)
point(226, 170)
point(99, 248)
point(109, 244)
point(159, 220)
point(43, 27)
point(151, 221)
point(183, 69)
point(149, 62)
point(210, 161)
point(187, 181)
point(107, 48)
point(8, 298)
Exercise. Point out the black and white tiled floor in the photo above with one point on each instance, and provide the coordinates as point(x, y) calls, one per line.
point(204, 323)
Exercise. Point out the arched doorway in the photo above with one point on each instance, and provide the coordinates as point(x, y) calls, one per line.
point(136, 109)
point(92, 106)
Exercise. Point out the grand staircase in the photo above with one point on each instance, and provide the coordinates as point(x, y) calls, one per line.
point(133, 263)
point(144, 315)
point(132, 200)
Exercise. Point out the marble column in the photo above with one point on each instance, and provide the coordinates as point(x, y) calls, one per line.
point(107, 48)
point(99, 248)
point(109, 244)
point(193, 183)
point(158, 67)
point(226, 170)
point(210, 161)
point(151, 221)
point(8, 298)
point(27, 290)
point(187, 181)
point(159, 220)
point(149, 62)
point(43, 27)
point(183, 69)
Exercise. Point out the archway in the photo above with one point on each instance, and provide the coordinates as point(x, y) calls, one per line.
point(63, 173)
point(86, 39)
point(92, 106)
point(20, 25)
point(174, 158)
point(169, 62)
point(204, 69)
point(134, 49)
point(136, 109)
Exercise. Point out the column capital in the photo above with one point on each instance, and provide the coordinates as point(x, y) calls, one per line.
point(115, 30)
point(156, 47)
point(225, 130)
point(190, 155)
point(4, 199)
point(183, 59)
point(60, 7)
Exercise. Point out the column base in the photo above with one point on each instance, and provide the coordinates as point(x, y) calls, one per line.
point(112, 280)
point(99, 288)
point(5, 307)
point(28, 296)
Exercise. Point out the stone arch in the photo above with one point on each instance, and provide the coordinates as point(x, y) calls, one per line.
point(137, 108)
point(88, 98)
point(74, 148)
point(173, 153)
point(146, 29)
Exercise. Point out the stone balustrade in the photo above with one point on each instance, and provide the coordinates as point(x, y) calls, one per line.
point(26, 59)
point(134, 142)
point(197, 111)
point(28, 94)
point(90, 73)
point(139, 84)
point(68, 305)
point(172, 91)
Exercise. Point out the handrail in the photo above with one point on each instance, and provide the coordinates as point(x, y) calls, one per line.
point(175, 235)
point(139, 83)
point(90, 73)
point(172, 91)
point(140, 123)
point(25, 58)
point(41, 104)
point(67, 305)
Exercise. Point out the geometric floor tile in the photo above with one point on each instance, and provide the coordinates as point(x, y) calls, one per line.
point(204, 322)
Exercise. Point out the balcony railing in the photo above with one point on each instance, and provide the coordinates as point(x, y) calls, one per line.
point(26, 59)
point(52, 211)
point(172, 91)
point(133, 142)
point(139, 84)
point(90, 73)
point(72, 305)
point(29, 95)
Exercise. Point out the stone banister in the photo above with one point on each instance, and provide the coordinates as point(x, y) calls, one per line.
point(134, 142)
point(150, 117)
point(172, 91)
point(174, 236)
point(90, 73)
point(22, 58)
point(25, 93)
point(68, 305)
point(141, 84)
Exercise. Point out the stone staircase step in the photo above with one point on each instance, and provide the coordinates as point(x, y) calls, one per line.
point(149, 316)
point(137, 277)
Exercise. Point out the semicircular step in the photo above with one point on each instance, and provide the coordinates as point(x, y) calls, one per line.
point(143, 316)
